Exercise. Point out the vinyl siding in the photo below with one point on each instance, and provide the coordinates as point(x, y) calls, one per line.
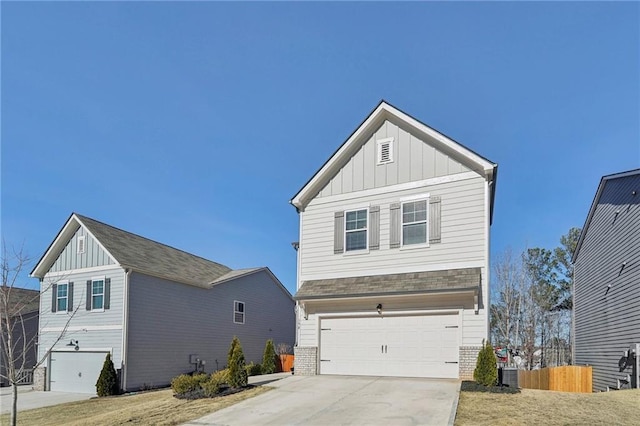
point(30, 322)
point(607, 323)
point(413, 160)
point(462, 228)
point(94, 255)
point(93, 329)
point(169, 321)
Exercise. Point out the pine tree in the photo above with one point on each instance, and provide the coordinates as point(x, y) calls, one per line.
point(269, 358)
point(486, 372)
point(237, 372)
point(107, 383)
point(234, 342)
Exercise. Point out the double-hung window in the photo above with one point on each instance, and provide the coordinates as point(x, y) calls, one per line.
point(414, 222)
point(62, 297)
point(355, 230)
point(238, 312)
point(97, 293)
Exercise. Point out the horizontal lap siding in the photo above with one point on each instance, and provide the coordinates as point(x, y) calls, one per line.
point(94, 322)
point(169, 321)
point(607, 323)
point(463, 229)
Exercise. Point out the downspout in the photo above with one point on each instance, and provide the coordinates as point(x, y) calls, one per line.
point(125, 327)
point(487, 210)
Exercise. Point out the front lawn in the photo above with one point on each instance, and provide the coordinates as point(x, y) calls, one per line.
point(146, 408)
point(537, 407)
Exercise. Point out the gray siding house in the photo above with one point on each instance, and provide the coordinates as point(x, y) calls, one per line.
point(393, 256)
point(606, 293)
point(157, 310)
point(23, 309)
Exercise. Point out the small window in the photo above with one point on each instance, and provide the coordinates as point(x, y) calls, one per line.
point(414, 222)
point(62, 297)
point(238, 312)
point(81, 247)
point(385, 151)
point(356, 230)
point(97, 294)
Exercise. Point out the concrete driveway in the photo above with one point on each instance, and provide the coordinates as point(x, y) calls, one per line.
point(28, 398)
point(345, 400)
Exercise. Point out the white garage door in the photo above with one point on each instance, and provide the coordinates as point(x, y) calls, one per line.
point(76, 371)
point(407, 346)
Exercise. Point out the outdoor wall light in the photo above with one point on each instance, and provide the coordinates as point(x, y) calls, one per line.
point(379, 308)
point(74, 344)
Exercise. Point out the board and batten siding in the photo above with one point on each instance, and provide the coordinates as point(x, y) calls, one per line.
point(608, 322)
point(169, 321)
point(463, 233)
point(413, 160)
point(69, 259)
point(93, 329)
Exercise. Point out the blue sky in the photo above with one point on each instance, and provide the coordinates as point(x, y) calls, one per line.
point(194, 124)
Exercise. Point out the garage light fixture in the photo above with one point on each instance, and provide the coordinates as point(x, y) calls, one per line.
point(379, 308)
point(74, 344)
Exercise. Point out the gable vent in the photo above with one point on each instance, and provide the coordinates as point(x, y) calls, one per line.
point(385, 151)
point(81, 244)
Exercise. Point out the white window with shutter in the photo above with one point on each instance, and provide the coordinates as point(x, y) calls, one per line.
point(385, 150)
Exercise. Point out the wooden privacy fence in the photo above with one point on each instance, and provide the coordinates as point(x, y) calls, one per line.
point(569, 378)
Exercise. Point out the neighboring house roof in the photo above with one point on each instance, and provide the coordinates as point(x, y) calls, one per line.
point(22, 301)
point(453, 280)
point(137, 253)
point(385, 111)
point(595, 202)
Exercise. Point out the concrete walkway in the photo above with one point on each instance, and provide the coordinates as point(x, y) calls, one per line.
point(28, 398)
point(345, 400)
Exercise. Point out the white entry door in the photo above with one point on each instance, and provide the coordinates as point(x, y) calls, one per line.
point(402, 346)
point(75, 371)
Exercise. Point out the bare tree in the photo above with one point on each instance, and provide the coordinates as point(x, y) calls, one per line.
point(15, 305)
point(506, 307)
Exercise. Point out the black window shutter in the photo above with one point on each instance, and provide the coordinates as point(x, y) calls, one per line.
point(88, 305)
point(107, 293)
point(338, 233)
point(54, 298)
point(396, 225)
point(374, 227)
point(434, 220)
point(70, 298)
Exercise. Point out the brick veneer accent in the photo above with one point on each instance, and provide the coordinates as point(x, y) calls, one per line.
point(306, 360)
point(39, 378)
point(468, 358)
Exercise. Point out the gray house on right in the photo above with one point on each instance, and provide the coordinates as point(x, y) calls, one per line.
point(606, 293)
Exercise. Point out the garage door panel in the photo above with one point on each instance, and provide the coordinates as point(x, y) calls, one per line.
point(405, 346)
point(75, 371)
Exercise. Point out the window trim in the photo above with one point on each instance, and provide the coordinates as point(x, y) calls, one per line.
point(413, 199)
point(379, 143)
point(243, 312)
point(104, 284)
point(344, 232)
point(66, 306)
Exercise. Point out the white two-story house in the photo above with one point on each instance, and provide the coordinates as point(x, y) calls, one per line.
point(393, 254)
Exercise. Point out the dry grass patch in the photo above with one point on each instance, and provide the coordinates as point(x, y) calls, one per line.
point(157, 408)
point(531, 407)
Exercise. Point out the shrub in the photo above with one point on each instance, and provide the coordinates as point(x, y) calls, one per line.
point(107, 383)
point(269, 358)
point(216, 382)
point(253, 369)
point(486, 372)
point(234, 342)
point(237, 372)
point(186, 383)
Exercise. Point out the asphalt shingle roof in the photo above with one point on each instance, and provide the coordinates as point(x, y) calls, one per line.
point(22, 301)
point(408, 283)
point(153, 258)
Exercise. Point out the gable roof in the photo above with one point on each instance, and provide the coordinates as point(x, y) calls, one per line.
point(452, 280)
point(594, 204)
point(384, 111)
point(134, 252)
point(23, 301)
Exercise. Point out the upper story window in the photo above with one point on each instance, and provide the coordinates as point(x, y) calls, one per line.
point(97, 293)
point(414, 222)
point(62, 297)
point(238, 312)
point(385, 150)
point(355, 230)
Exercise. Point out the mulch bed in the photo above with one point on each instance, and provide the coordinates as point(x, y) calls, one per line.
point(471, 386)
point(199, 394)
